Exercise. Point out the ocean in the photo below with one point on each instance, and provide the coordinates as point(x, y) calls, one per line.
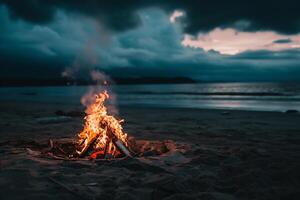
point(239, 96)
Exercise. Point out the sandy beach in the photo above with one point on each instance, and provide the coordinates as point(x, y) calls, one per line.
point(149, 100)
point(228, 155)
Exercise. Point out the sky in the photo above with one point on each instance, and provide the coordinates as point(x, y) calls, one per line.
point(203, 40)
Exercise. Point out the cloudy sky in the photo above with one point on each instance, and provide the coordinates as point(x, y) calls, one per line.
point(205, 40)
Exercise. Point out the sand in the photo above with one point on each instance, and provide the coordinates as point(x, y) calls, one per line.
point(229, 155)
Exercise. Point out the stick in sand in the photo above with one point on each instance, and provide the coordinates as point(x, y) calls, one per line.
point(68, 188)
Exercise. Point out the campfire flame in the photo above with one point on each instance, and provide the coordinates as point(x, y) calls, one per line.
point(102, 134)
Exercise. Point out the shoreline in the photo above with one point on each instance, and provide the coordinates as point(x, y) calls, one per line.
point(77, 105)
point(233, 96)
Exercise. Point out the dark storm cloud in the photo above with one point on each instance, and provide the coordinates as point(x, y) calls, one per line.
point(292, 54)
point(119, 15)
point(283, 41)
point(116, 15)
point(280, 16)
point(43, 50)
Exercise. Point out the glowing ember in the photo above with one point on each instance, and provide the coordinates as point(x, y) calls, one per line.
point(102, 135)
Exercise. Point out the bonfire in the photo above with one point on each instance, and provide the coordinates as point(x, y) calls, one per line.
point(102, 135)
point(102, 138)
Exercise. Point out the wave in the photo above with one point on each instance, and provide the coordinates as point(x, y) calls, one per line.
point(210, 93)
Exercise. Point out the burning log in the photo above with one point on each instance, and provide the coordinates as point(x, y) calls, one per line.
point(86, 145)
point(106, 153)
point(122, 148)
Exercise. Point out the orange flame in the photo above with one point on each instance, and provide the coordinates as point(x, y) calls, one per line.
point(100, 130)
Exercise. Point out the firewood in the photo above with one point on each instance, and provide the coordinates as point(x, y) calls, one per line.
point(118, 143)
point(122, 148)
point(32, 152)
point(106, 149)
point(51, 143)
point(86, 147)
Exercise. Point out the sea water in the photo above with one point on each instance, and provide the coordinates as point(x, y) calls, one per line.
point(241, 96)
